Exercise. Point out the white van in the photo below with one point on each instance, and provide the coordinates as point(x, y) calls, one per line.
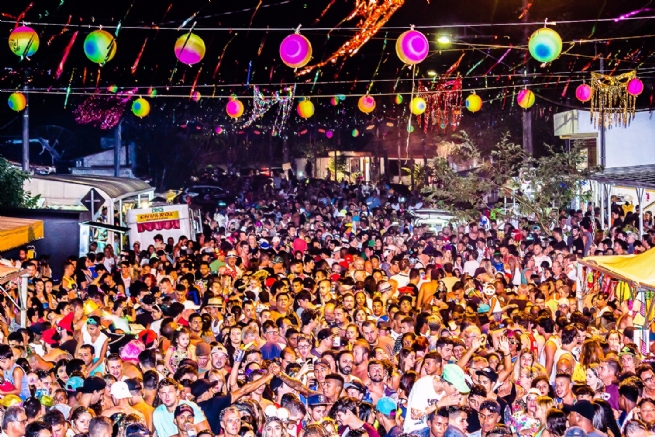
point(169, 221)
point(435, 219)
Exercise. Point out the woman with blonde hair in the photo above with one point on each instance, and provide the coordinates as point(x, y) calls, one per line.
point(274, 427)
point(592, 379)
point(544, 404)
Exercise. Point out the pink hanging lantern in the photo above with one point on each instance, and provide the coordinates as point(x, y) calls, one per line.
point(583, 93)
point(295, 51)
point(635, 87)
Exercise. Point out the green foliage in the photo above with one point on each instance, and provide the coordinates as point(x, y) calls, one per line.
point(12, 194)
point(341, 167)
point(537, 186)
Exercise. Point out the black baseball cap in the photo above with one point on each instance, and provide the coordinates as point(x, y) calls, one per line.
point(583, 408)
point(323, 334)
point(201, 386)
point(489, 373)
point(92, 384)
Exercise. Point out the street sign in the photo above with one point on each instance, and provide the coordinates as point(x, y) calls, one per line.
point(93, 201)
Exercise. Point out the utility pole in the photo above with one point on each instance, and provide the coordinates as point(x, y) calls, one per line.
point(118, 131)
point(26, 128)
point(527, 113)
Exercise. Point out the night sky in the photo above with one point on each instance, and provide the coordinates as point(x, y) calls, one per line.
point(140, 19)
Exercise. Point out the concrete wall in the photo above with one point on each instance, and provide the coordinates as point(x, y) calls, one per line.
point(625, 146)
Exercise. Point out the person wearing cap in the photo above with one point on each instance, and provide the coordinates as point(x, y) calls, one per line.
point(184, 418)
point(50, 338)
point(90, 392)
point(230, 268)
point(318, 408)
point(628, 358)
point(355, 389)
point(135, 386)
point(447, 390)
point(121, 398)
point(582, 414)
point(385, 413)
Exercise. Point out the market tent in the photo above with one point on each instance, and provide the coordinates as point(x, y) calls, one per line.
point(16, 232)
point(635, 268)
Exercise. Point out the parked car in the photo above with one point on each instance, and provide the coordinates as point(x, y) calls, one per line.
point(207, 196)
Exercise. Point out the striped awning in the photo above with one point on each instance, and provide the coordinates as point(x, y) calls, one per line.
point(15, 232)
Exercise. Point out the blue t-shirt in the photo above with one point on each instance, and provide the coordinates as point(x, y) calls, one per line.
point(270, 351)
point(163, 420)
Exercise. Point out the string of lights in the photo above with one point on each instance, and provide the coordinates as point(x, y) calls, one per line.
point(314, 96)
point(643, 73)
point(329, 29)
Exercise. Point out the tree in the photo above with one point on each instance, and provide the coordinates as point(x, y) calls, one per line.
point(12, 194)
point(537, 186)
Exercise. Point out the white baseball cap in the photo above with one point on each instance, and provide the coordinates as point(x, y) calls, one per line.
point(120, 390)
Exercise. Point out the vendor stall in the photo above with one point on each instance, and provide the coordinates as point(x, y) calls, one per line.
point(16, 232)
point(630, 279)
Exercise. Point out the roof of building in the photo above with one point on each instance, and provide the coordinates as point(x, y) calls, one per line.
point(113, 186)
point(637, 176)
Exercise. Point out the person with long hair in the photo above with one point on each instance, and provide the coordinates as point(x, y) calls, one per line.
point(592, 379)
point(274, 427)
point(406, 360)
point(555, 423)
point(604, 418)
point(544, 404)
point(590, 353)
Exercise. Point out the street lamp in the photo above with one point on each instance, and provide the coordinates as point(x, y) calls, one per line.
point(443, 39)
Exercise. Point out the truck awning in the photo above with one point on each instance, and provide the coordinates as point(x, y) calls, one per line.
point(15, 232)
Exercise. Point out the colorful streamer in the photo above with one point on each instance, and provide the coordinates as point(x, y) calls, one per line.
point(220, 58)
point(375, 14)
point(60, 68)
point(138, 58)
point(499, 60)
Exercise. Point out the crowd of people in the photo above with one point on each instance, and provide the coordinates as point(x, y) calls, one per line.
point(320, 310)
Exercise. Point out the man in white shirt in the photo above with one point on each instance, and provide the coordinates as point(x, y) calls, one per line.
point(431, 392)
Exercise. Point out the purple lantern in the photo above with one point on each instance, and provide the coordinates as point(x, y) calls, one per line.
point(635, 87)
point(583, 93)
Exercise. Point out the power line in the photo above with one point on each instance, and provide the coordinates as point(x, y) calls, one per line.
point(330, 29)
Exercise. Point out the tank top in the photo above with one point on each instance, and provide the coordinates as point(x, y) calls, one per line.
point(542, 355)
point(24, 388)
point(558, 354)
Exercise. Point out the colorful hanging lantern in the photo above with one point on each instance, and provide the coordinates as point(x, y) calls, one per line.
point(635, 87)
point(24, 41)
point(473, 103)
point(355, 133)
point(196, 96)
point(410, 128)
point(398, 99)
point(334, 101)
point(295, 51)
point(412, 47)
point(17, 102)
point(545, 45)
point(234, 108)
point(100, 46)
point(366, 104)
point(305, 109)
point(418, 106)
point(341, 97)
point(583, 93)
point(525, 99)
point(218, 130)
point(112, 89)
point(189, 49)
point(141, 107)
point(329, 134)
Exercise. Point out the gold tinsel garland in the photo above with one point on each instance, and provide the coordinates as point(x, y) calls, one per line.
point(611, 105)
